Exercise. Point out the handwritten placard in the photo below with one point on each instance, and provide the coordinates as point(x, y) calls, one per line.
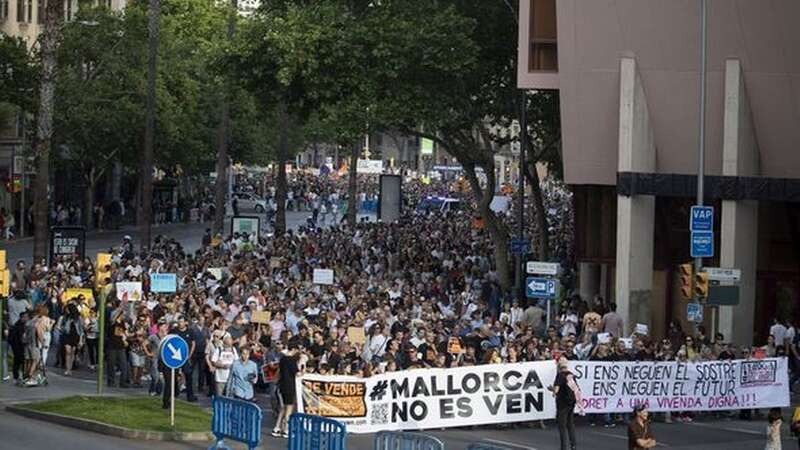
point(323, 276)
point(261, 317)
point(356, 335)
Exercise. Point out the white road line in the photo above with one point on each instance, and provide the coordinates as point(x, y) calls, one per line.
point(624, 438)
point(510, 444)
point(733, 430)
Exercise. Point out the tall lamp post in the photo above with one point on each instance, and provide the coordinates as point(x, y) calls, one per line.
point(698, 262)
point(146, 198)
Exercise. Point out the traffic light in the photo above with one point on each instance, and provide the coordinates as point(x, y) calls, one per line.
point(102, 270)
point(3, 265)
point(686, 280)
point(5, 282)
point(701, 285)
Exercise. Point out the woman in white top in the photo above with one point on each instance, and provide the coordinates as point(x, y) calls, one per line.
point(774, 430)
point(223, 359)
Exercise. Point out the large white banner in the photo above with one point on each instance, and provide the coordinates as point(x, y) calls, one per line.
point(672, 386)
point(432, 398)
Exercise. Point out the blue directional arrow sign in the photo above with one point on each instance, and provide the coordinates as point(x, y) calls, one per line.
point(174, 351)
point(540, 287)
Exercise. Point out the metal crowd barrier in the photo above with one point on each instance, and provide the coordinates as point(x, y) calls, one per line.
point(237, 420)
point(395, 440)
point(308, 432)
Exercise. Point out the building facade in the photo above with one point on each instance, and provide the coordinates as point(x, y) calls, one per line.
point(628, 76)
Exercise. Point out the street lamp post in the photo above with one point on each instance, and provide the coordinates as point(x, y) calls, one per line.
point(146, 199)
point(698, 262)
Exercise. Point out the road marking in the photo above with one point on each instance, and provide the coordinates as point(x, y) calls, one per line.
point(510, 444)
point(624, 438)
point(733, 430)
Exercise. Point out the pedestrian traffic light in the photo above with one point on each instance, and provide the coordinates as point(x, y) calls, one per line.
point(701, 285)
point(686, 280)
point(102, 271)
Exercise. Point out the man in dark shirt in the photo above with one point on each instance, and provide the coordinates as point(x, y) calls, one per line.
point(565, 405)
point(118, 349)
point(640, 437)
point(288, 369)
point(188, 335)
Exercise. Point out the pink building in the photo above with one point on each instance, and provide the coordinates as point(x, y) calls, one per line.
point(628, 74)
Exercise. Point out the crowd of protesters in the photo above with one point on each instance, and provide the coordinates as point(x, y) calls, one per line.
point(419, 288)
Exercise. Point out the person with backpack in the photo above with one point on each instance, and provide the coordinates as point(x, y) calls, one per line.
point(567, 394)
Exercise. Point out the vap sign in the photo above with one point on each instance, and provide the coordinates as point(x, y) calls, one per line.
point(702, 218)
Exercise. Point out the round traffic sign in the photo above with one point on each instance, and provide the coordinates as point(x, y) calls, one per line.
point(174, 351)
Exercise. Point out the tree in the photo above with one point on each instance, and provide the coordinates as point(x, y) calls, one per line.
point(96, 94)
point(48, 47)
point(17, 73)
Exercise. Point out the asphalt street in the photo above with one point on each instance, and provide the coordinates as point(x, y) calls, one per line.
point(705, 433)
point(190, 235)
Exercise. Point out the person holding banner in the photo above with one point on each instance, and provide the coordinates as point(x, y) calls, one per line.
point(567, 395)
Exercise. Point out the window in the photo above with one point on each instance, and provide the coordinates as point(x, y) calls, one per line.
point(40, 11)
point(68, 12)
point(20, 11)
point(543, 47)
point(3, 10)
point(30, 10)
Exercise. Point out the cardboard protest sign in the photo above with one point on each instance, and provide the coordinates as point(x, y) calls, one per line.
point(216, 272)
point(356, 335)
point(71, 293)
point(129, 290)
point(641, 329)
point(323, 276)
point(454, 345)
point(261, 316)
point(274, 262)
point(603, 338)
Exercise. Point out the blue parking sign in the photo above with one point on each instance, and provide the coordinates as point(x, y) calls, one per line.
point(702, 244)
point(540, 287)
point(702, 218)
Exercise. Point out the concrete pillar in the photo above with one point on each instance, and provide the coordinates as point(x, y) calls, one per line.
point(739, 228)
point(588, 280)
point(636, 214)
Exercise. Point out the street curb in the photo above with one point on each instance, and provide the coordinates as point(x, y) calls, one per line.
point(110, 430)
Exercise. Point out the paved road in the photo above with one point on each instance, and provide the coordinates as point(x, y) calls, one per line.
point(189, 235)
point(710, 434)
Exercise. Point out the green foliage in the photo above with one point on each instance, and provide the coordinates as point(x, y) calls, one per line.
point(102, 82)
point(18, 73)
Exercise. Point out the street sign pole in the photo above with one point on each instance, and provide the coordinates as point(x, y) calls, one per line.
point(3, 360)
point(172, 400)
point(698, 262)
point(173, 353)
point(101, 342)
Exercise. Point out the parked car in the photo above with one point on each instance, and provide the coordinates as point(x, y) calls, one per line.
point(250, 202)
